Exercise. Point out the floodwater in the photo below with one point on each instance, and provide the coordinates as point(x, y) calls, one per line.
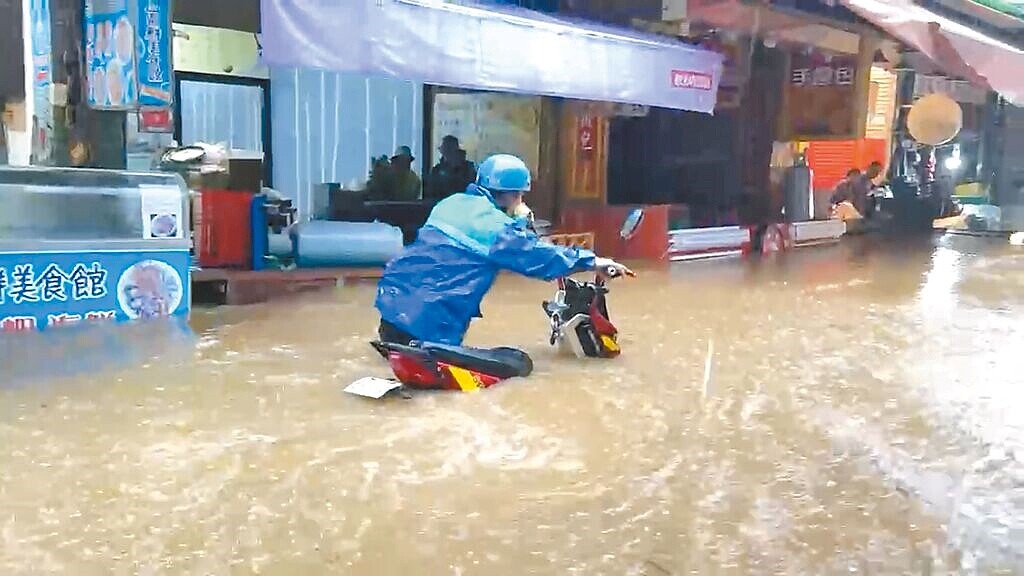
point(862, 414)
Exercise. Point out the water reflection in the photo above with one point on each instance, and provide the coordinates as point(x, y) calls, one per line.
point(90, 349)
point(938, 295)
point(846, 432)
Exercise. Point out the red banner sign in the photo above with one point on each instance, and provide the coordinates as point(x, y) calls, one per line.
point(156, 120)
point(587, 133)
point(691, 80)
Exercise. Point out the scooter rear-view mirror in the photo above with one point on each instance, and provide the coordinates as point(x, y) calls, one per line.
point(632, 224)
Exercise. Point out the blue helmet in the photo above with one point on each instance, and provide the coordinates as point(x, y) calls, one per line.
point(503, 173)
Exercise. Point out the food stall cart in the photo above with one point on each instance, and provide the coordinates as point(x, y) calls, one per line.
point(91, 245)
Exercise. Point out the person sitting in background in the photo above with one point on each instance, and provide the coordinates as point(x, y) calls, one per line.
point(453, 173)
point(406, 182)
point(844, 196)
point(843, 191)
point(875, 174)
point(872, 179)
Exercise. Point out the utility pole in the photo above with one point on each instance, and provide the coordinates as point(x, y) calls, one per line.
point(15, 136)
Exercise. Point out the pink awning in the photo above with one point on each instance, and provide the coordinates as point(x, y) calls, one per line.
point(957, 49)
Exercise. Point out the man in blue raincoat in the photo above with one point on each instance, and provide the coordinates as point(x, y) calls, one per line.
point(432, 291)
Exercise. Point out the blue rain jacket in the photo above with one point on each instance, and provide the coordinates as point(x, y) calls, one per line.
point(434, 288)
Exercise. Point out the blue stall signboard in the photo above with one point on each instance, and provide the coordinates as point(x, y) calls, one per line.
point(154, 41)
point(40, 290)
point(110, 55)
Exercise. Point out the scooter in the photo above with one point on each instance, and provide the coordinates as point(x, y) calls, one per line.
point(579, 324)
point(579, 318)
point(429, 366)
point(579, 321)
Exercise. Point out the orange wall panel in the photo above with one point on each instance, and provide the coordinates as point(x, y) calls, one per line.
point(831, 160)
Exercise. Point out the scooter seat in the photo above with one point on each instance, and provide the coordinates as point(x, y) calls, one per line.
point(500, 362)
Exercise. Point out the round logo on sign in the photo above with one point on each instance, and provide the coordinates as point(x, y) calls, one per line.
point(150, 289)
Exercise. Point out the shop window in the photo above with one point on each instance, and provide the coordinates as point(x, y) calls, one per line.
point(222, 113)
point(675, 157)
point(230, 111)
point(487, 123)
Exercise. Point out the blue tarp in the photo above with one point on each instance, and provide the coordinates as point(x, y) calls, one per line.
point(503, 49)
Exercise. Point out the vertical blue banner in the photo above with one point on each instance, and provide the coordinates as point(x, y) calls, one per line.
point(42, 79)
point(110, 55)
point(41, 290)
point(153, 30)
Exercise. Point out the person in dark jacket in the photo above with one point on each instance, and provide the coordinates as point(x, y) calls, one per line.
point(433, 290)
point(452, 174)
point(844, 190)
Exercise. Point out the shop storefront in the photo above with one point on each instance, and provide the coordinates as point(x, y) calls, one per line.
point(708, 169)
point(961, 163)
point(90, 246)
point(831, 158)
point(504, 80)
point(566, 143)
point(793, 82)
point(849, 69)
point(838, 114)
point(963, 63)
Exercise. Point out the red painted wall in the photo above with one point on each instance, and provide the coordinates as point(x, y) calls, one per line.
point(649, 243)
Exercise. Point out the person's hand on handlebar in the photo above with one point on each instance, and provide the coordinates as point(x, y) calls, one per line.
point(611, 269)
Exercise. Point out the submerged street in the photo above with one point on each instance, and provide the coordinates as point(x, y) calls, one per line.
point(861, 415)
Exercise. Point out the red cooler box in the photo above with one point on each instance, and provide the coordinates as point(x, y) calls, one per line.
point(224, 229)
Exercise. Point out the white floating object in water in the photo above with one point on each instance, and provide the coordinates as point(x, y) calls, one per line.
point(371, 387)
point(1017, 239)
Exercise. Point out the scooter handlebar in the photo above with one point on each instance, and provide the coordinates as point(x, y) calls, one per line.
point(613, 272)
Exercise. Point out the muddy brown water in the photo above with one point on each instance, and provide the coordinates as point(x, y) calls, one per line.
point(863, 415)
